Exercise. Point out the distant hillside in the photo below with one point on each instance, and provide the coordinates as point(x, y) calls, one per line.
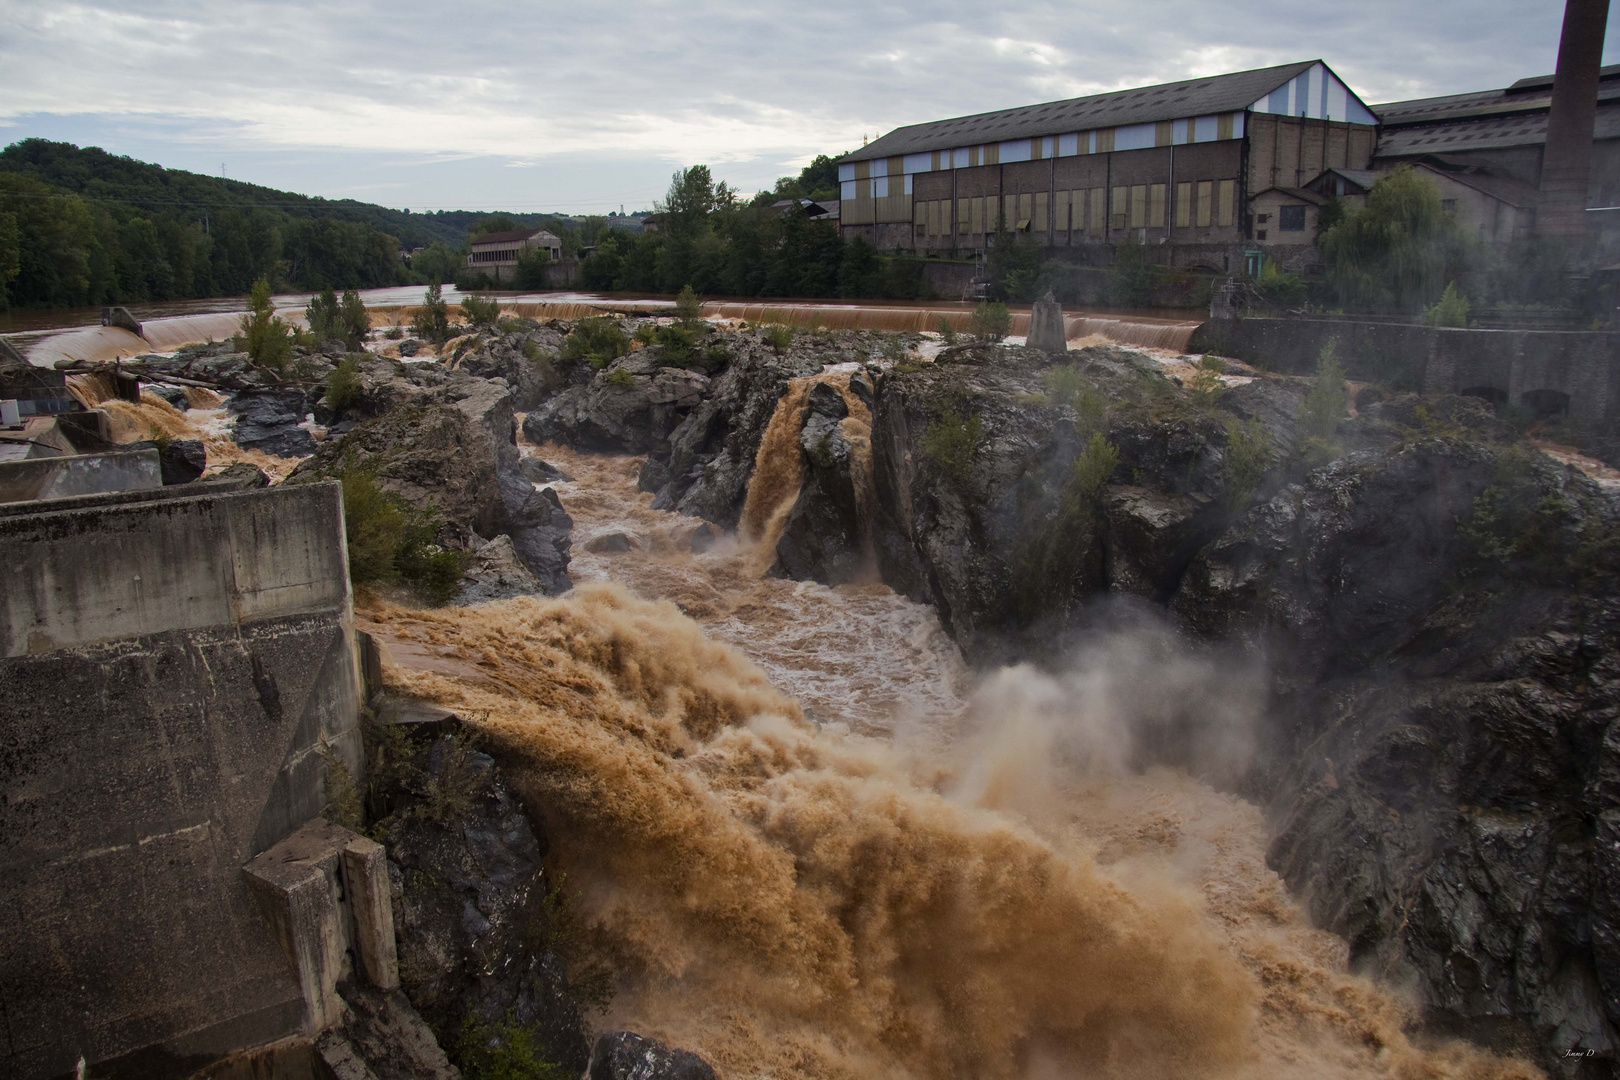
point(80, 226)
point(95, 174)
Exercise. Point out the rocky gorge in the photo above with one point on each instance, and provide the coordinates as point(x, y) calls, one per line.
point(1431, 602)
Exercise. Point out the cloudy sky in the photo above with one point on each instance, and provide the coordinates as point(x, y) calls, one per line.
point(586, 107)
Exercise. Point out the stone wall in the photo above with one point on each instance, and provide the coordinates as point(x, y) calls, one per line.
point(177, 674)
point(1535, 368)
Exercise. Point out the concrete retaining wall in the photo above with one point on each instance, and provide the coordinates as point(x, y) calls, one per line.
point(79, 474)
point(173, 672)
point(1584, 366)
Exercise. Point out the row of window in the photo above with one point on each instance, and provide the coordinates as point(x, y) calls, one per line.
point(1200, 203)
point(508, 255)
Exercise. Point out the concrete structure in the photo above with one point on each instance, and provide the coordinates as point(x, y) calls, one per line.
point(1566, 164)
point(1046, 329)
point(1175, 167)
point(496, 254)
point(181, 679)
point(66, 475)
point(1547, 371)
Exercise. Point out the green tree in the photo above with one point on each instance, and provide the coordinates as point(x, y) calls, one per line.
point(482, 312)
point(356, 320)
point(435, 264)
point(323, 317)
point(1015, 267)
point(1450, 310)
point(265, 338)
point(432, 321)
point(1324, 406)
point(1398, 252)
point(1130, 279)
point(991, 321)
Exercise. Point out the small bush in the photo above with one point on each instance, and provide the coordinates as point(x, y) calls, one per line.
point(1093, 466)
point(1324, 406)
point(991, 321)
point(265, 338)
point(893, 347)
point(394, 333)
point(646, 333)
point(354, 319)
point(947, 332)
point(323, 317)
point(504, 1051)
point(432, 322)
point(599, 340)
point(1206, 387)
point(620, 378)
point(688, 308)
point(951, 443)
point(481, 312)
point(343, 384)
point(779, 338)
point(1281, 288)
point(1248, 456)
point(1450, 310)
point(389, 540)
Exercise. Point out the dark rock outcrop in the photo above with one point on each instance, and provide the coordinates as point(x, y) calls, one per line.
point(181, 460)
point(470, 908)
point(268, 420)
point(824, 537)
point(523, 360)
point(624, 1055)
point(633, 418)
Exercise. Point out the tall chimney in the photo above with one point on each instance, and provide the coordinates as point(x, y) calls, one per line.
point(1566, 162)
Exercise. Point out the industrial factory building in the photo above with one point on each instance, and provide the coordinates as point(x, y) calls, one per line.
point(1208, 168)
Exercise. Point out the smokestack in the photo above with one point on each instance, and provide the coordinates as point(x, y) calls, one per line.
point(1566, 162)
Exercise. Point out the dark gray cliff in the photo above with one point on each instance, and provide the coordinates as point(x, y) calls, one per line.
point(1435, 600)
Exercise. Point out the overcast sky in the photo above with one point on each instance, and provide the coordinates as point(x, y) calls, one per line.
point(584, 107)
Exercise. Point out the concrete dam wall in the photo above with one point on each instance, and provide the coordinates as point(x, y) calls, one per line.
point(1548, 371)
point(178, 673)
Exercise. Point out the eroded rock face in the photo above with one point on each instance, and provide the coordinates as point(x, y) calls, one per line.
point(624, 1055)
point(469, 908)
point(824, 538)
point(604, 415)
point(1441, 760)
point(268, 420)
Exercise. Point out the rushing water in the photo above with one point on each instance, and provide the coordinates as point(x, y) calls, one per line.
point(813, 845)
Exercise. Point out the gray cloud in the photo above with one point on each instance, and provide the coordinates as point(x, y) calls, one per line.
point(750, 88)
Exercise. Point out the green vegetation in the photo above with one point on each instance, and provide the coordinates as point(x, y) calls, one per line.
point(1398, 252)
point(947, 332)
point(480, 312)
point(600, 340)
point(1065, 386)
point(1093, 466)
point(1324, 406)
point(688, 309)
point(432, 322)
point(991, 321)
point(504, 1051)
point(390, 541)
point(343, 384)
point(1248, 456)
point(620, 378)
point(331, 319)
point(1131, 278)
point(779, 338)
point(951, 443)
point(1206, 386)
point(1523, 527)
point(1281, 288)
point(1450, 310)
point(1015, 267)
point(265, 338)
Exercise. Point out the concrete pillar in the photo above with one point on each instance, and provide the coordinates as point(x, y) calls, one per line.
point(1046, 326)
point(324, 891)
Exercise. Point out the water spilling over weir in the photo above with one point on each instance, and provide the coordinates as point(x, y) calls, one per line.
point(812, 846)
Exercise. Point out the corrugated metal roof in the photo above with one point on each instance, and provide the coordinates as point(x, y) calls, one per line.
point(1536, 82)
point(510, 236)
point(1483, 133)
point(1143, 105)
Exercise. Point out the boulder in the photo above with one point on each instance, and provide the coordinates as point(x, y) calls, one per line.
point(182, 460)
point(624, 1055)
point(652, 476)
point(243, 472)
point(605, 415)
point(174, 395)
point(610, 543)
point(268, 420)
point(1151, 536)
point(495, 572)
point(541, 472)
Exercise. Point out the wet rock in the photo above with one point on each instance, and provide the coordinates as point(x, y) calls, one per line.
point(182, 460)
point(382, 1038)
point(704, 537)
point(410, 347)
point(603, 415)
point(652, 476)
point(823, 539)
point(267, 420)
point(540, 529)
point(541, 472)
point(468, 885)
point(495, 572)
point(1152, 536)
point(174, 395)
point(611, 543)
point(243, 472)
point(624, 1055)
point(526, 361)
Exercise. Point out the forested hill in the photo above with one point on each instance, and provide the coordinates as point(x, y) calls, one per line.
point(82, 226)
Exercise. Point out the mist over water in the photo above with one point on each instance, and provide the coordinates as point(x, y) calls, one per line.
point(813, 845)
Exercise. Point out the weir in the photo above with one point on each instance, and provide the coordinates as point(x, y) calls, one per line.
point(99, 344)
